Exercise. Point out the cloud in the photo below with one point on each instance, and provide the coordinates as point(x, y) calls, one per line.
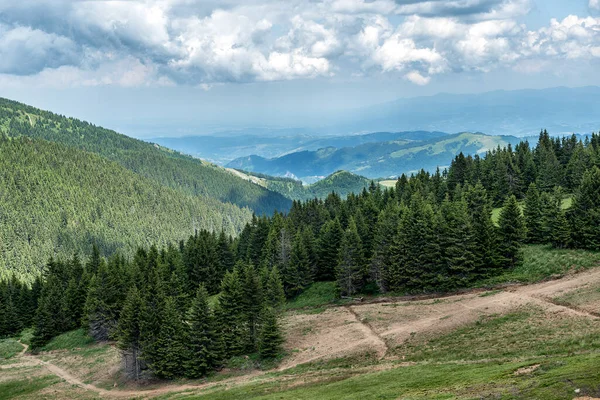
point(25, 51)
point(206, 42)
point(595, 4)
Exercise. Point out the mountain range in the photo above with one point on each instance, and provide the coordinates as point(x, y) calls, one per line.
point(405, 154)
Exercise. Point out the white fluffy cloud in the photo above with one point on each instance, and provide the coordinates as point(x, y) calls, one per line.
point(595, 4)
point(203, 42)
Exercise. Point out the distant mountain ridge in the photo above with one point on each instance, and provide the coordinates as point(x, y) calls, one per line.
point(560, 110)
point(377, 160)
point(223, 149)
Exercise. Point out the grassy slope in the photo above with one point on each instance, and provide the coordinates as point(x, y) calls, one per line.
point(55, 200)
point(164, 166)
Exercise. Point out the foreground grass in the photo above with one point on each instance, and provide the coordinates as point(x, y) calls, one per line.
point(525, 333)
point(9, 348)
point(25, 387)
point(555, 378)
point(69, 340)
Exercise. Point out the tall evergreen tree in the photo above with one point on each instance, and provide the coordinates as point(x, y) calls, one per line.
point(204, 342)
point(350, 268)
point(170, 353)
point(270, 335)
point(129, 333)
point(533, 215)
point(511, 234)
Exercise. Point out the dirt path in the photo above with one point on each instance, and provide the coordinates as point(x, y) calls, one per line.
point(408, 318)
point(378, 343)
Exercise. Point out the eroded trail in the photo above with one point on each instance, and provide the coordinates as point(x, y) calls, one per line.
point(378, 342)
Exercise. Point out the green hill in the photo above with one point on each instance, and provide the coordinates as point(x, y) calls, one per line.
point(55, 200)
point(341, 182)
point(164, 166)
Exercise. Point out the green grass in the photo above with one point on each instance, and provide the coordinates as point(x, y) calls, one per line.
point(543, 262)
point(524, 333)
point(14, 389)
point(69, 340)
point(26, 336)
point(9, 348)
point(556, 378)
point(318, 294)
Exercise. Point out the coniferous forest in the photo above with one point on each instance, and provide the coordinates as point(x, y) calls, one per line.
point(183, 309)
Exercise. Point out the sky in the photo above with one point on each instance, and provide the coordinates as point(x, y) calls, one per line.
point(175, 67)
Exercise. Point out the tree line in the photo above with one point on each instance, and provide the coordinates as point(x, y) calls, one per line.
point(434, 231)
point(159, 306)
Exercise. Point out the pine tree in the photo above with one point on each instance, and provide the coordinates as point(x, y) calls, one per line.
point(49, 318)
point(170, 351)
point(416, 249)
point(385, 231)
point(561, 232)
point(484, 231)
point(271, 339)
point(350, 268)
point(229, 313)
point(585, 212)
point(511, 234)
point(252, 303)
point(457, 243)
point(129, 333)
point(533, 215)
point(274, 293)
point(328, 248)
point(204, 343)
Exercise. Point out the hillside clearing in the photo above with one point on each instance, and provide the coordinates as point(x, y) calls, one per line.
point(396, 347)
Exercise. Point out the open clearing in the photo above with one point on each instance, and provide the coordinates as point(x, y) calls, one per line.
point(514, 335)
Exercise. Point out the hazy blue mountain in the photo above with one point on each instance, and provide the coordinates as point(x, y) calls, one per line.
point(230, 145)
point(519, 113)
point(375, 160)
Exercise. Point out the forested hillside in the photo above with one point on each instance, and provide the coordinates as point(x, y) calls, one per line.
point(56, 200)
point(341, 182)
point(159, 164)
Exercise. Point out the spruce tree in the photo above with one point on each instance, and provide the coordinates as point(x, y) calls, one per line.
point(129, 333)
point(170, 355)
point(49, 318)
point(416, 255)
point(484, 231)
point(585, 212)
point(533, 215)
point(229, 313)
point(330, 238)
point(511, 234)
point(204, 342)
point(385, 231)
point(274, 293)
point(350, 268)
point(271, 339)
point(457, 244)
